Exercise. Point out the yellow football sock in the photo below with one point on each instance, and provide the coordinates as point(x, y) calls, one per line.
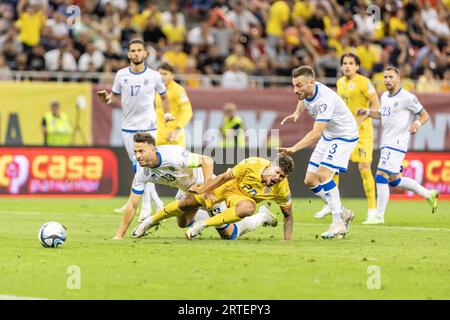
point(369, 188)
point(336, 179)
point(228, 216)
point(168, 211)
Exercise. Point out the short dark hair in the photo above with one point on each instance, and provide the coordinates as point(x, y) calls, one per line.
point(305, 71)
point(144, 137)
point(393, 69)
point(285, 162)
point(133, 41)
point(167, 66)
point(351, 55)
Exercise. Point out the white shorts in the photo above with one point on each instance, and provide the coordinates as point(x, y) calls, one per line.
point(333, 154)
point(391, 160)
point(129, 142)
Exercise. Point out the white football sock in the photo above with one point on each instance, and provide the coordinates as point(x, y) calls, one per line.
point(201, 215)
point(333, 200)
point(318, 191)
point(383, 194)
point(146, 205)
point(250, 223)
point(154, 195)
point(412, 185)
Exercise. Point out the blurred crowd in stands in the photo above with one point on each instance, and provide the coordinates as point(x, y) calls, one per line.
point(234, 39)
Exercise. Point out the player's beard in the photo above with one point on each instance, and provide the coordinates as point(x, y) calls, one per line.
point(137, 63)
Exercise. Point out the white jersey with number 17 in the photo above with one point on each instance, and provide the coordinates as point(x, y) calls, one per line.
point(137, 91)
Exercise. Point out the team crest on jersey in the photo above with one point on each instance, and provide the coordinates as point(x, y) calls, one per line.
point(396, 104)
point(125, 80)
point(322, 108)
point(146, 81)
point(351, 85)
point(267, 190)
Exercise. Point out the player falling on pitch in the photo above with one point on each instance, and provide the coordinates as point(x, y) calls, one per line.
point(358, 93)
point(337, 132)
point(399, 109)
point(137, 86)
point(174, 166)
point(251, 181)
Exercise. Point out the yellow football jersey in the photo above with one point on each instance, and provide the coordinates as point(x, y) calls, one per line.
point(248, 182)
point(355, 92)
point(180, 108)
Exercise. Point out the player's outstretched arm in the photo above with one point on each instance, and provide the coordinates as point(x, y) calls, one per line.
point(213, 184)
point(288, 222)
point(310, 138)
point(130, 211)
point(298, 111)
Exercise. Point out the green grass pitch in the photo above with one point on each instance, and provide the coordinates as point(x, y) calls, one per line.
point(410, 255)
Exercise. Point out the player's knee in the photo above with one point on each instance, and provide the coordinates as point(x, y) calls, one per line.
point(363, 166)
point(245, 209)
point(183, 223)
point(188, 203)
point(311, 181)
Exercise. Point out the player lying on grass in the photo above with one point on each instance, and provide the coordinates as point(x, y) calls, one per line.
point(251, 181)
point(399, 109)
point(174, 166)
point(336, 130)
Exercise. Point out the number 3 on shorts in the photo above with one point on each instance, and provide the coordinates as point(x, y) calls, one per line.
point(333, 148)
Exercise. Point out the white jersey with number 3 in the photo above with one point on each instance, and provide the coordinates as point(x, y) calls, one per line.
point(137, 91)
point(177, 168)
point(397, 114)
point(327, 106)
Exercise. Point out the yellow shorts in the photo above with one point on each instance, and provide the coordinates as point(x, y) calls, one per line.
point(364, 149)
point(228, 193)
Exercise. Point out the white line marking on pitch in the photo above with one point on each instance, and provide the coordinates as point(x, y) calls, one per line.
point(60, 213)
point(11, 297)
point(382, 227)
point(300, 223)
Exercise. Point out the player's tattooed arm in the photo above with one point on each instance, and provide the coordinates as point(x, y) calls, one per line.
point(298, 111)
point(288, 222)
point(128, 215)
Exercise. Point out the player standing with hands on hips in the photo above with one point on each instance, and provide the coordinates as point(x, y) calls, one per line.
point(137, 86)
point(399, 109)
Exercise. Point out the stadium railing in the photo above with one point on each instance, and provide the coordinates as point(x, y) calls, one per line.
point(102, 77)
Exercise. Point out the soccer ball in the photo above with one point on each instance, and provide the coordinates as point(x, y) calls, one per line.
point(52, 234)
